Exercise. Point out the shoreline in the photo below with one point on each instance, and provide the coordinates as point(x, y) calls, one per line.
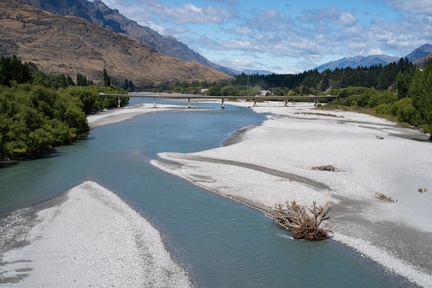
point(129, 112)
point(369, 154)
point(267, 161)
point(74, 236)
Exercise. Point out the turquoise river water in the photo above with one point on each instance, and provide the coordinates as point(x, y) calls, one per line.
point(219, 242)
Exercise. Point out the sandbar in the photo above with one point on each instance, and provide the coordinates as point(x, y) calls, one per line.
point(91, 239)
point(112, 116)
point(273, 163)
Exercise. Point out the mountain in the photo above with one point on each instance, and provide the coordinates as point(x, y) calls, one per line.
point(356, 61)
point(419, 57)
point(422, 61)
point(259, 72)
point(420, 52)
point(100, 14)
point(71, 45)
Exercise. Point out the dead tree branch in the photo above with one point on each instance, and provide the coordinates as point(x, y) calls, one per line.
point(302, 221)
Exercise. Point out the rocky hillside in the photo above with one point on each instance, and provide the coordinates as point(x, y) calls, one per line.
point(73, 45)
point(100, 14)
point(419, 53)
point(423, 61)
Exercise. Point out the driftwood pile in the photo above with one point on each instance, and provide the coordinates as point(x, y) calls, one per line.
point(302, 221)
point(329, 168)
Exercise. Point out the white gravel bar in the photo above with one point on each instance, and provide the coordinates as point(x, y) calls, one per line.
point(93, 239)
point(273, 164)
point(125, 113)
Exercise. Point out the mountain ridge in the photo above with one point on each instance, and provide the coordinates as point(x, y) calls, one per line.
point(419, 53)
point(71, 45)
point(356, 61)
point(366, 61)
point(100, 14)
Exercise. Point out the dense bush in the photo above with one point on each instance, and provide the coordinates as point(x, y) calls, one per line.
point(39, 111)
point(405, 111)
point(33, 119)
point(89, 97)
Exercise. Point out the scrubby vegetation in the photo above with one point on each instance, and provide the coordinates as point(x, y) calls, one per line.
point(39, 111)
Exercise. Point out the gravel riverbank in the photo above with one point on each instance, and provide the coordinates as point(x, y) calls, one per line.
point(92, 239)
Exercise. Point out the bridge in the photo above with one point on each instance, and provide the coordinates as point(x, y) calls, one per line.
point(222, 98)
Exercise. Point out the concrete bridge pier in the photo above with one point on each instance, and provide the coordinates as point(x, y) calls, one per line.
point(189, 105)
point(223, 105)
point(286, 102)
point(118, 102)
point(154, 102)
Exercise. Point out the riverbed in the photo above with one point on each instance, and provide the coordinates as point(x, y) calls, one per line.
point(215, 241)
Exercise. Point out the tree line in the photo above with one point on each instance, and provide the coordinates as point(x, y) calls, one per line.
point(408, 100)
point(313, 82)
point(399, 91)
point(39, 111)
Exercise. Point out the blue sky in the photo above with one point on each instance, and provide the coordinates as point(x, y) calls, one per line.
point(286, 36)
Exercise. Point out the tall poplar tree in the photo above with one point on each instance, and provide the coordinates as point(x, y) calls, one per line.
point(106, 78)
point(421, 95)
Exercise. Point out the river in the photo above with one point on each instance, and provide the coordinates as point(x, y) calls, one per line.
point(219, 242)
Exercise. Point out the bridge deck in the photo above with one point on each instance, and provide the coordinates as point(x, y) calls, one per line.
point(222, 98)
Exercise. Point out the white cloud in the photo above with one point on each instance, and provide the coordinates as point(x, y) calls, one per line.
point(346, 18)
point(306, 38)
point(243, 63)
point(375, 51)
point(188, 13)
point(239, 45)
point(413, 6)
point(152, 11)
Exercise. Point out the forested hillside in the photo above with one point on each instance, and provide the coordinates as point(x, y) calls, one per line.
point(39, 111)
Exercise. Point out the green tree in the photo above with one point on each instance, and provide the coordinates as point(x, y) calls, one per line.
point(421, 95)
point(34, 118)
point(106, 78)
point(12, 69)
point(82, 80)
point(228, 91)
point(403, 83)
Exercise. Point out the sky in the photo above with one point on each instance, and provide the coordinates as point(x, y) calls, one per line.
point(288, 36)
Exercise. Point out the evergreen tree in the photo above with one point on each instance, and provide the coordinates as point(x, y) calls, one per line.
point(421, 94)
point(106, 78)
point(12, 69)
